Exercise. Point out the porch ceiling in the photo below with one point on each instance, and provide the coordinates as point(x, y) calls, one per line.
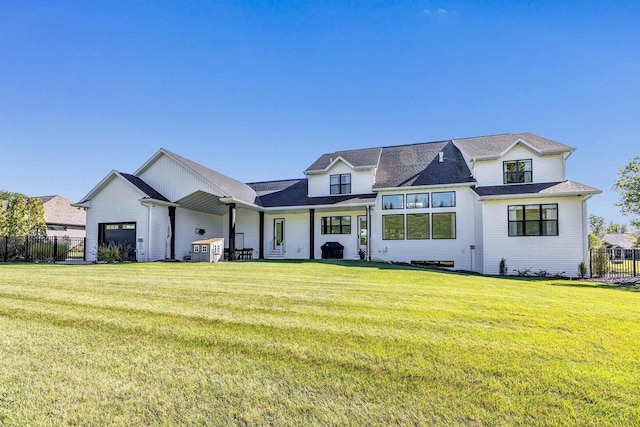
point(203, 202)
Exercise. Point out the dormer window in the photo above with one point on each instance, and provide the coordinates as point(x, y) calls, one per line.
point(340, 184)
point(517, 171)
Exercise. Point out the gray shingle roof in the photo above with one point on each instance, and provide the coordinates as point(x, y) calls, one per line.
point(231, 187)
point(358, 158)
point(418, 164)
point(619, 240)
point(144, 187)
point(493, 145)
point(547, 188)
point(293, 192)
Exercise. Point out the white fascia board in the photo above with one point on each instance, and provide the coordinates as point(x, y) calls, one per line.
point(339, 158)
point(425, 187)
point(105, 180)
point(240, 203)
point(149, 162)
point(151, 201)
point(307, 207)
point(539, 195)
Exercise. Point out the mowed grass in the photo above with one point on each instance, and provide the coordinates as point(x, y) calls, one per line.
point(286, 343)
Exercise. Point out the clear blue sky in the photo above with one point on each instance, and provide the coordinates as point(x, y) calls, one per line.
point(258, 90)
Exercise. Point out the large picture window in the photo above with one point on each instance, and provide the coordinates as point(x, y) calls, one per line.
point(393, 201)
point(443, 225)
point(417, 200)
point(446, 199)
point(517, 171)
point(533, 220)
point(336, 225)
point(340, 184)
point(417, 226)
point(393, 227)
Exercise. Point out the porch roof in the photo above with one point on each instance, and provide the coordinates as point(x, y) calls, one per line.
point(293, 192)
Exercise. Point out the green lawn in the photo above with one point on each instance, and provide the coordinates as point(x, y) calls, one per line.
point(263, 343)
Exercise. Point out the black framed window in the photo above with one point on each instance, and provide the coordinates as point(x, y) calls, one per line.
point(393, 227)
point(340, 184)
point(417, 200)
point(518, 171)
point(417, 226)
point(336, 225)
point(393, 201)
point(445, 199)
point(443, 225)
point(533, 220)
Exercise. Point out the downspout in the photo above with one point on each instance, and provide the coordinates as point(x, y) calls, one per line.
point(149, 219)
point(368, 233)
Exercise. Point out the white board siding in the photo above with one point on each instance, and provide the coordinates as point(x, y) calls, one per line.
point(479, 239)
point(247, 223)
point(349, 241)
point(296, 235)
point(117, 202)
point(545, 168)
point(361, 181)
point(187, 221)
point(175, 181)
point(456, 250)
point(555, 254)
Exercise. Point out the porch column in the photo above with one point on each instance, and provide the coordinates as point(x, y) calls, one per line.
point(312, 214)
point(232, 230)
point(261, 248)
point(368, 212)
point(172, 221)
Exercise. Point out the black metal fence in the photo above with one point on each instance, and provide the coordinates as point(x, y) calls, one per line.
point(614, 262)
point(42, 249)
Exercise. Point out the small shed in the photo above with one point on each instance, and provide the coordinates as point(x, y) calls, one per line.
point(207, 250)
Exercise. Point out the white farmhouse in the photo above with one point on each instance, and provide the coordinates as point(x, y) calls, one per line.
point(462, 203)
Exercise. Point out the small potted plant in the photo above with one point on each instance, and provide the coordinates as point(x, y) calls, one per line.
point(362, 254)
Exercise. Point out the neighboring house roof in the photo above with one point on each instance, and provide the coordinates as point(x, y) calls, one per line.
point(232, 188)
point(565, 188)
point(58, 210)
point(144, 187)
point(619, 240)
point(493, 146)
point(293, 192)
point(361, 158)
point(419, 165)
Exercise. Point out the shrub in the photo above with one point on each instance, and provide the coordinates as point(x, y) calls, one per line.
point(503, 267)
point(113, 253)
point(599, 262)
point(582, 269)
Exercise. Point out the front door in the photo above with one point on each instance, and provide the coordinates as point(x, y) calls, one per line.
point(278, 233)
point(362, 233)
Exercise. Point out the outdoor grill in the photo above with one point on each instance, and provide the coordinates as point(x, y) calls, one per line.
point(332, 250)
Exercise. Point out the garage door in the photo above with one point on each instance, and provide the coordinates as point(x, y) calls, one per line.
point(122, 234)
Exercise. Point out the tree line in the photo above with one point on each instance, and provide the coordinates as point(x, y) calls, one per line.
point(21, 215)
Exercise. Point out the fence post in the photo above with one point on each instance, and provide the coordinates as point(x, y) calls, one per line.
point(84, 249)
point(591, 263)
point(6, 248)
point(26, 248)
point(634, 262)
point(55, 248)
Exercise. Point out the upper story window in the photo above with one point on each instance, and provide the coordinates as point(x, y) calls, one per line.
point(445, 199)
point(517, 171)
point(417, 200)
point(393, 201)
point(340, 184)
